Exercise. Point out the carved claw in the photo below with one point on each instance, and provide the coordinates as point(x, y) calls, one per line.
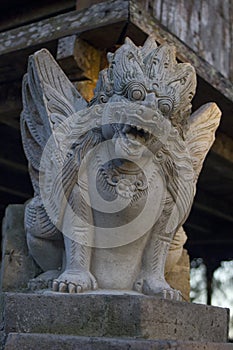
point(44, 280)
point(138, 286)
point(79, 289)
point(172, 294)
point(63, 287)
point(72, 288)
point(150, 285)
point(73, 282)
point(55, 286)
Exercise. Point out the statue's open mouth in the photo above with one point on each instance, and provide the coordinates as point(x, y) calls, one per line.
point(134, 135)
point(131, 138)
point(133, 128)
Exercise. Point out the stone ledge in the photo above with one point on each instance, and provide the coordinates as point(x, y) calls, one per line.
point(64, 342)
point(108, 315)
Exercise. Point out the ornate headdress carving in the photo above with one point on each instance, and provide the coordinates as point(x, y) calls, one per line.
point(135, 72)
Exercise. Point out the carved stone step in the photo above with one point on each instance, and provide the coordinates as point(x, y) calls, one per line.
point(108, 315)
point(63, 342)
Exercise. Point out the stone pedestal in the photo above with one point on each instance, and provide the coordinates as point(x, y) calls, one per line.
point(107, 321)
point(17, 266)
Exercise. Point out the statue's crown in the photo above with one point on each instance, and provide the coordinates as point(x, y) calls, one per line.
point(135, 72)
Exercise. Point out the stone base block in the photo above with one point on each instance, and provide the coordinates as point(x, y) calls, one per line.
point(108, 315)
point(17, 266)
point(65, 342)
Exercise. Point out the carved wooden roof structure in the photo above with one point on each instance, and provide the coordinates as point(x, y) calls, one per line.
point(100, 26)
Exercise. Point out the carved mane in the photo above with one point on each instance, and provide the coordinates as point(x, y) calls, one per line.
point(149, 69)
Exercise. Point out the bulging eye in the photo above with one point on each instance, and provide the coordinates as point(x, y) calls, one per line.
point(165, 105)
point(135, 91)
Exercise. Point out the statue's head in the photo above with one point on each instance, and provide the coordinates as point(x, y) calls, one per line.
point(145, 90)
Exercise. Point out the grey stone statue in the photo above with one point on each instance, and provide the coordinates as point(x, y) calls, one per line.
point(114, 180)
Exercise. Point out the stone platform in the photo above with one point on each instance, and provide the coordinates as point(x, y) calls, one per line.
point(63, 342)
point(106, 321)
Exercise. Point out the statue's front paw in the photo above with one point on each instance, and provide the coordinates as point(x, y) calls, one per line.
point(74, 282)
point(150, 285)
point(43, 281)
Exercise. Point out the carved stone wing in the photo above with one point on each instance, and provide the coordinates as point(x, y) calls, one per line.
point(48, 99)
point(201, 134)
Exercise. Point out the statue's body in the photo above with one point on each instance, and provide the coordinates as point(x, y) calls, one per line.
point(117, 176)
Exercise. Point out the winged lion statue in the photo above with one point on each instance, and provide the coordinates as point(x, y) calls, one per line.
point(114, 179)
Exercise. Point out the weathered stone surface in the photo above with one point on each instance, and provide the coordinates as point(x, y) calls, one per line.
point(14, 240)
point(17, 265)
point(62, 342)
point(134, 150)
point(113, 316)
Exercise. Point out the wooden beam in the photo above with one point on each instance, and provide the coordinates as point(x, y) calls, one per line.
point(13, 15)
point(98, 15)
point(143, 20)
point(79, 59)
point(81, 62)
point(205, 27)
point(103, 14)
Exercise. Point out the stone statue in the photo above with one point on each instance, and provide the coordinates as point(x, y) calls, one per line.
point(114, 179)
